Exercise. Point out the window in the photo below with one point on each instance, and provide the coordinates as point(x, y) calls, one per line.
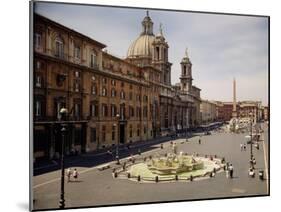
point(104, 110)
point(184, 70)
point(93, 135)
point(38, 108)
point(77, 74)
point(104, 91)
point(122, 84)
point(77, 110)
point(93, 61)
point(113, 82)
point(157, 53)
point(77, 52)
point(113, 111)
point(145, 98)
point(58, 106)
point(94, 110)
point(122, 95)
point(76, 87)
point(138, 111)
point(122, 111)
point(94, 89)
point(131, 111)
point(131, 96)
point(59, 47)
point(38, 40)
point(138, 97)
point(113, 92)
point(131, 86)
point(38, 82)
point(104, 80)
point(145, 111)
point(144, 130)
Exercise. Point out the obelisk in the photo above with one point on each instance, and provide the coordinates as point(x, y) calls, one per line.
point(234, 111)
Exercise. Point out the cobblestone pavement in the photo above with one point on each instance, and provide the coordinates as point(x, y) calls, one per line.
point(95, 188)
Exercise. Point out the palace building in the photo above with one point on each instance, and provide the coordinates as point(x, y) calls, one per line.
point(75, 71)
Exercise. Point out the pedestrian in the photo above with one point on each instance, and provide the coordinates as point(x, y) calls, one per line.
point(75, 174)
point(241, 147)
point(251, 173)
point(230, 171)
point(257, 146)
point(68, 174)
point(254, 161)
point(199, 141)
point(245, 147)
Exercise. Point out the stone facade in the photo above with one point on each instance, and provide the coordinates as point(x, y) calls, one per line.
point(244, 109)
point(74, 71)
point(208, 111)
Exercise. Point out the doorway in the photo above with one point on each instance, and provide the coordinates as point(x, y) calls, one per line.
point(122, 133)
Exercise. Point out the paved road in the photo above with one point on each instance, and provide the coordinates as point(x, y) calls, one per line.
point(99, 188)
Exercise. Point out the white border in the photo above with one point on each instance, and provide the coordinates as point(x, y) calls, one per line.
point(15, 103)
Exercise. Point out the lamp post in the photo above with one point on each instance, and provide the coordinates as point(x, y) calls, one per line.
point(63, 113)
point(118, 138)
point(251, 142)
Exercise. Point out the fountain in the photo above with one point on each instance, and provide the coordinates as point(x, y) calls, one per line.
point(170, 167)
point(174, 164)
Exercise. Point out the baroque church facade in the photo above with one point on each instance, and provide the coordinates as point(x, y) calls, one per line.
point(110, 100)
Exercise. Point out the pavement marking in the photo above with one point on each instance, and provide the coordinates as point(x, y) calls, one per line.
point(265, 163)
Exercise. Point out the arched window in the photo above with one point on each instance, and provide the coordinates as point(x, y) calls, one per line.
point(184, 70)
point(93, 59)
point(113, 92)
point(104, 91)
point(59, 46)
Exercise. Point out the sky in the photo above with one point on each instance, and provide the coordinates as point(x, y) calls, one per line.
point(220, 47)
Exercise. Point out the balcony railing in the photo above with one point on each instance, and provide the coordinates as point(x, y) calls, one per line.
point(60, 55)
point(94, 65)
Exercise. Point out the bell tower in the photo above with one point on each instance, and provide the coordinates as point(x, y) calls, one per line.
point(160, 57)
point(186, 73)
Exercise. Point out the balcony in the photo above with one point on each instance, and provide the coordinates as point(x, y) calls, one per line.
point(94, 65)
point(60, 55)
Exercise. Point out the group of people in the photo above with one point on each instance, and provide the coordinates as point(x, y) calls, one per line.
point(229, 170)
point(73, 173)
point(243, 147)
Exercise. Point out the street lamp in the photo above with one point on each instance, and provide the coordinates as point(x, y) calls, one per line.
point(63, 113)
point(118, 138)
point(251, 142)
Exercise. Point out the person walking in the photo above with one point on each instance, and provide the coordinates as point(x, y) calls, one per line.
point(199, 141)
point(68, 174)
point(241, 147)
point(230, 171)
point(244, 146)
point(75, 174)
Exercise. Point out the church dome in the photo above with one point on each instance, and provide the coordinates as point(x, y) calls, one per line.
point(142, 46)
